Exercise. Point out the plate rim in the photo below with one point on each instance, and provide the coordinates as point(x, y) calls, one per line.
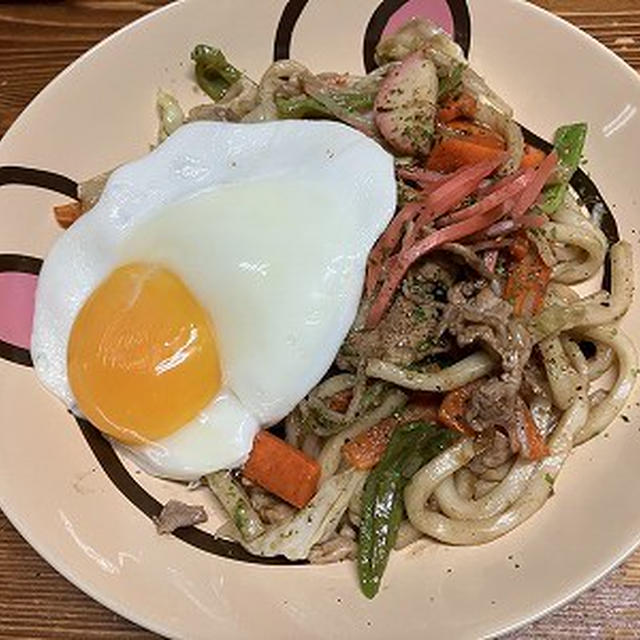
point(120, 606)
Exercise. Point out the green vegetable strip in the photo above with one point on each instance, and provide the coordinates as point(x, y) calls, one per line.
point(300, 107)
point(569, 144)
point(236, 503)
point(411, 446)
point(354, 101)
point(213, 73)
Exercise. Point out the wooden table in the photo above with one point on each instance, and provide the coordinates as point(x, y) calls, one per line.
point(39, 39)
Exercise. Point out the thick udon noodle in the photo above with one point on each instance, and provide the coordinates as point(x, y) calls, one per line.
point(449, 499)
point(437, 503)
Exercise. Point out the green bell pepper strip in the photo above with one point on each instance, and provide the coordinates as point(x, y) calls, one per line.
point(569, 144)
point(214, 74)
point(411, 446)
point(302, 107)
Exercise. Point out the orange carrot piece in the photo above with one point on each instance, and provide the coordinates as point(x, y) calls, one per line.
point(520, 247)
point(527, 282)
point(532, 158)
point(453, 153)
point(282, 469)
point(464, 106)
point(476, 134)
point(366, 449)
point(452, 409)
point(67, 214)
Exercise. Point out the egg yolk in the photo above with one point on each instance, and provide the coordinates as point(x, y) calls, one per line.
point(142, 357)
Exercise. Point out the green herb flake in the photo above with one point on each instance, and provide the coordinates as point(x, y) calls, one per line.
point(418, 314)
point(426, 344)
point(240, 516)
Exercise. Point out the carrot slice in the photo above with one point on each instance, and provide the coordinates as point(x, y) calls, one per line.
point(453, 407)
point(532, 158)
point(282, 469)
point(67, 214)
point(453, 153)
point(366, 449)
point(528, 279)
point(477, 134)
point(464, 106)
point(520, 247)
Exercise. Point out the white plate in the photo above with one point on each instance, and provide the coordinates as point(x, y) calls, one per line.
point(99, 113)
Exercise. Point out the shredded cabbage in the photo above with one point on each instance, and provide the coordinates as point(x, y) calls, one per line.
point(294, 538)
point(170, 114)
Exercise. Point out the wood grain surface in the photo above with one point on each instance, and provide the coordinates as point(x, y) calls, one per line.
point(39, 39)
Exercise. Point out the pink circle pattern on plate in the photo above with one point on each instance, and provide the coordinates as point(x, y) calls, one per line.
point(17, 292)
point(436, 10)
point(18, 281)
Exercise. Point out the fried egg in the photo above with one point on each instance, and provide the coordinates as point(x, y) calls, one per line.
point(211, 287)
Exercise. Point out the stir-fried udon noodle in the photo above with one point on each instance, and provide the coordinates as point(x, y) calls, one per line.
point(473, 367)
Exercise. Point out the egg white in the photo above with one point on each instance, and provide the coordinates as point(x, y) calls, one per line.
point(219, 437)
point(279, 265)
